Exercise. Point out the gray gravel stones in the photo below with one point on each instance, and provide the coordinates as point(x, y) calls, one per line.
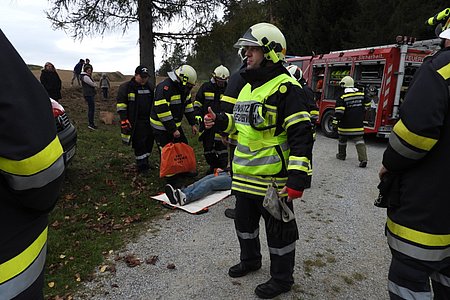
point(341, 254)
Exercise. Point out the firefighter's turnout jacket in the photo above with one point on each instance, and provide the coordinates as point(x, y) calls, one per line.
point(349, 112)
point(31, 173)
point(235, 84)
point(418, 223)
point(134, 102)
point(171, 102)
point(275, 139)
point(209, 95)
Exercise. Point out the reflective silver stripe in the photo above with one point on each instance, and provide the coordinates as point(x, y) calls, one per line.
point(259, 180)
point(190, 109)
point(177, 101)
point(168, 118)
point(158, 127)
point(359, 142)
point(442, 279)
point(349, 132)
point(222, 152)
point(282, 251)
point(24, 280)
point(209, 97)
point(142, 156)
point(246, 149)
point(303, 117)
point(417, 252)
point(342, 143)
point(20, 183)
point(121, 109)
point(248, 235)
point(143, 92)
point(404, 151)
point(268, 160)
point(407, 294)
point(248, 189)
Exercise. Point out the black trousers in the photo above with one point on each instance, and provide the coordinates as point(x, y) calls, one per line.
point(409, 278)
point(215, 152)
point(142, 143)
point(249, 210)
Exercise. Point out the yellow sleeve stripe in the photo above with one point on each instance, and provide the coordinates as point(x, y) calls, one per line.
point(34, 164)
point(421, 238)
point(445, 71)
point(18, 264)
point(228, 99)
point(420, 142)
point(161, 102)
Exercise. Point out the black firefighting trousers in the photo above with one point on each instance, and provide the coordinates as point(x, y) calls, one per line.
point(216, 153)
point(409, 278)
point(142, 142)
point(282, 252)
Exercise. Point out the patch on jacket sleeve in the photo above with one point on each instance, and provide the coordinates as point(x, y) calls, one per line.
point(166, 87)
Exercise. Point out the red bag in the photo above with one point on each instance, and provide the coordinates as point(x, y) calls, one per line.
point(177, 158)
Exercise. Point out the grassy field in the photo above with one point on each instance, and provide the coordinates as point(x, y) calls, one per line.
point(104, 203)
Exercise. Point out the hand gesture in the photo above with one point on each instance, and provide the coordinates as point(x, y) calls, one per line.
point(209, 118)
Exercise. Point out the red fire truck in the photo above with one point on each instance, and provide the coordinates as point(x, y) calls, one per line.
point(382, 72)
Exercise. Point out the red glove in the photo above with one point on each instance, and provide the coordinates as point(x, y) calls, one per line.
point(293, 194)
point(125, 126)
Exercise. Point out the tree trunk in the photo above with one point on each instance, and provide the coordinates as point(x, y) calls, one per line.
point(146, 41)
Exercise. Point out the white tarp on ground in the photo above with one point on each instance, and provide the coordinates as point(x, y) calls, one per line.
point(199, 205)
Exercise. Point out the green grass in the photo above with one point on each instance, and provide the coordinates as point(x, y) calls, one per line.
point(103, 204)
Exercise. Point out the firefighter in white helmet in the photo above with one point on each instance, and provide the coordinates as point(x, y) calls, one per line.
point(209, 95)
point(173, 100)
point(297, 73)
point(274, 152)
point(415, 165)
point(349, 119)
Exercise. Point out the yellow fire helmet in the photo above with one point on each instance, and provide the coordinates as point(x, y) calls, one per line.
point(267, 36)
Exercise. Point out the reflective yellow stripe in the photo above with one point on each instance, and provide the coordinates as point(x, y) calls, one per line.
point(175, 97)
point(421, 142)
point(445, 72)
point(121, 105)
point(18, 264)
point(228, 99)
point(34, 164)
point(161, 102)
point(231, 126)
point(209, 94)
point(350, 129)
point(422, 238)
point(164, 114)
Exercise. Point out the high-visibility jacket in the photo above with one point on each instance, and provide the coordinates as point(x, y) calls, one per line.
point(31, 173)
point(419, 147)
point(349, 112)
point(275, 138)
point(228, 100)
point(171, 102)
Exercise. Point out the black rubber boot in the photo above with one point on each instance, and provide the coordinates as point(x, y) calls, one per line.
point(270, 289)
point(230, 213)
point(242, 269)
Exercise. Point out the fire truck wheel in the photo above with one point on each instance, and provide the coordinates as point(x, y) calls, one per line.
point(327, 127)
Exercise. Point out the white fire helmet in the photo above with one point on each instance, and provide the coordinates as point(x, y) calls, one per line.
point(295, 71)
point(347, 81)
point(221, 73)
point(186, 74)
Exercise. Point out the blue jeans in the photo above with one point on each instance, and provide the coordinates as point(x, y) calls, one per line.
point(91, 109)
point(207, 185)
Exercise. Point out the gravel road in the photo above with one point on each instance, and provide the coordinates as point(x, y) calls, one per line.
point(341, 254)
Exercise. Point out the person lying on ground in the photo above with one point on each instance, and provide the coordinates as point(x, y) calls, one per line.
point(219, 181)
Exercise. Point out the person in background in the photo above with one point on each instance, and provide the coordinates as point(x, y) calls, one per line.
point(87, 64)
point(220, 180)
point(104, 85)
point(349, 120)
point(416, 161)
point(51, 81)
point(77, 71)
point(274, 150)
point(172, 101)
point(297, 73)
point(134, 104)
point(89, 93)
point(31, 176)
point(209, 95)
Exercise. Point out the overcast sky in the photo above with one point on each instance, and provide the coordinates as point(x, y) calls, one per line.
point(25, 25)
